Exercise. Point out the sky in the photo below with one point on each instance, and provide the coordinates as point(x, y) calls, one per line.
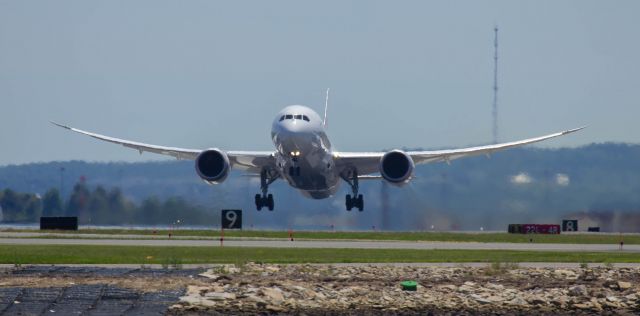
point(199, 74)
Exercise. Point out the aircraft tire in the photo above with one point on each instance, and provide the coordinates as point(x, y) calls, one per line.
point(269, 201)
point(259, 202)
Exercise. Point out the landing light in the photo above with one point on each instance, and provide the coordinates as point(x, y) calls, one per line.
point(295, 153)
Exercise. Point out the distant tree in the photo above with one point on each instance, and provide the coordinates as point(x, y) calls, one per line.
point(11, 206)
point(33, 207)
point(150, 212)
point(98, 208)
point(52, 203)
point(174, 209)
point(120, 208)
point(20, 207)
point(78, 203)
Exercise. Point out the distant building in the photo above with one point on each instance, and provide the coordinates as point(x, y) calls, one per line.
point(521, 178)
point(562, 179)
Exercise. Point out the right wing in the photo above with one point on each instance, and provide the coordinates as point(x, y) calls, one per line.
point(250, 161)
point(368, 162)
point(447, 155)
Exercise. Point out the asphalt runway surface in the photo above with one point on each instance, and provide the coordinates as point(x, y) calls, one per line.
point(324, 244)
point(87, 299)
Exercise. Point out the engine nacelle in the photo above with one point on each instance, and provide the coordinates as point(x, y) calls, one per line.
point(396, 167)
point(212, 165)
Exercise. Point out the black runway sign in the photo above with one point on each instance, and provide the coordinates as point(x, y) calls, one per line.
point(231, 219)
point(569, 225)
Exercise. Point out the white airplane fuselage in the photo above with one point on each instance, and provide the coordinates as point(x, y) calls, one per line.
point(303, 152)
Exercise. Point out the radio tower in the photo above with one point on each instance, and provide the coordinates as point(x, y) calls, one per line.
point(495, 86)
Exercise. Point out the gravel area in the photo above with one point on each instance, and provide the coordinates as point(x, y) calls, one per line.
point(352, 289)
point(496, 289)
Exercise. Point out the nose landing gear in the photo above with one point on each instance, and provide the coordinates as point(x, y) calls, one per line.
point(267, 176)
point(294, 171)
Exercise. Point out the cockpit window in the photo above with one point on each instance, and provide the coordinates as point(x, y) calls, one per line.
point(296, 117)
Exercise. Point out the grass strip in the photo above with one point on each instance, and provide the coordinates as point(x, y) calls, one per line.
point(401, 236)
point(85, 254)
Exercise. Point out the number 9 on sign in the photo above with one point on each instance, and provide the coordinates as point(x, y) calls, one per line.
point(231, 219)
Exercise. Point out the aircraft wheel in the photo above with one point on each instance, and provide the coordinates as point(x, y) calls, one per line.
point(348, 202)
point(360, 203)
point(270, 203)
point(259, 202)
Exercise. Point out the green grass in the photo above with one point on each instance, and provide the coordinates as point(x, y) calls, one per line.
point(81, 254)
point(402, 236)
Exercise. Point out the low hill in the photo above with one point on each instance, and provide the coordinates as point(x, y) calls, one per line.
point(597, 183)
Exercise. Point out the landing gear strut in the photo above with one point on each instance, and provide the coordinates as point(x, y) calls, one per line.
point(267, 176)
point(357, 201)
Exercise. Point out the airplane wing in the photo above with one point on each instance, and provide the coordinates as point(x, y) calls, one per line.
point(251, 161)
point(368, 162)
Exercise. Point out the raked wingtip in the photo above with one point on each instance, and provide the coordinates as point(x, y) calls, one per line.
point(59, 125)
point(574, 130)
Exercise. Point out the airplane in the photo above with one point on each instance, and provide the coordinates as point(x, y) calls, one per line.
point(304, 158)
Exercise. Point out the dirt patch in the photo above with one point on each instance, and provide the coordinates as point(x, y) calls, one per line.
point(142, 284)
point(143, 280)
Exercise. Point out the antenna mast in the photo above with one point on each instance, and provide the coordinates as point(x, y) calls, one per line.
point(326, 107)
point(495, 86)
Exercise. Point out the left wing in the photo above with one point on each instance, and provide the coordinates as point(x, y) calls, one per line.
point(251, 161)
point(368, 162)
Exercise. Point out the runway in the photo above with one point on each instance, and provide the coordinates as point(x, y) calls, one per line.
point(325, 244)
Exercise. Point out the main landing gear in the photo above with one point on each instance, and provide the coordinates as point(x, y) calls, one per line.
point(264, 200)
point(357, 201)
point(267, 176)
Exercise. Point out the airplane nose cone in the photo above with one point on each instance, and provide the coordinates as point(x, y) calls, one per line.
point(293, 126)
point(292, 136)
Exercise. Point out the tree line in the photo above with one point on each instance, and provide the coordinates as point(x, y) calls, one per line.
point(100, 206)
point(521, 185)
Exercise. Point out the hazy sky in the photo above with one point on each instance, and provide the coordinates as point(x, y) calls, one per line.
point(199, 74)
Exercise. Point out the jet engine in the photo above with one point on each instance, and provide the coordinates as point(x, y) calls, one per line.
point(212, 165)
point(396, 167)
